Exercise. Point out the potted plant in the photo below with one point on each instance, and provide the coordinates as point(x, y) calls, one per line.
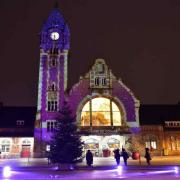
point(135, 153)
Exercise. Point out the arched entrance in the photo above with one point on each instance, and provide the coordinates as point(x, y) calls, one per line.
point(92, 145)
point(101, 118)
point(113, 144)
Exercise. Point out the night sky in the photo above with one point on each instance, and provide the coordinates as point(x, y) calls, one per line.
point(139, 40)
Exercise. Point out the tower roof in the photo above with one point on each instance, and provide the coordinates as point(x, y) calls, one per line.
point(55, 20)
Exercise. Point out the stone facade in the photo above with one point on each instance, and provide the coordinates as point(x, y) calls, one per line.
point(106, 110)
point(99, 84)
point(54, 46)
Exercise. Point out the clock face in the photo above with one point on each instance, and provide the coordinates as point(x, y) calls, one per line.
point(54, 35)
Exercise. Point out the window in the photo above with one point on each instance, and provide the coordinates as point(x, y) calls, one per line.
point(5, 147)
point(91, 143)
point(173, 124)
point(52, 105)
point(96, 81)
point(151, 145)
point(53, 62)
point(26, 142)
point(178, 143)
point(48, 147)
point(104, 112)
point(52, 87)
point(100, 81)
point(100, 68)
point(113, 143)
point(51, 125)
point(54, 51)
point(172, 143)
point(20, 122)
point(104, 83)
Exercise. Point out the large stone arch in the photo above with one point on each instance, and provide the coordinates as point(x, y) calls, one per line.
point(77, 94)
point(89, 97)
point(120, 94)
point(129, 101)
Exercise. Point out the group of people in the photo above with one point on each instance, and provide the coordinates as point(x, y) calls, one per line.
point(125, 156)
point(117, 155)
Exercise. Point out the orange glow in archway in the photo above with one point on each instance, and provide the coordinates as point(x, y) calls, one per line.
point(100, 111)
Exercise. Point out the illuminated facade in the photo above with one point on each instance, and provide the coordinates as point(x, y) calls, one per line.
point(107, 111)
point(15, 147)
point(54, 46)
point(160, 129)
point(16, 131)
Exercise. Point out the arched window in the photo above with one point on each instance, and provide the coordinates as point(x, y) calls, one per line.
point(113, 143)
point(5, 147)
point(150, 142)
point(96, 81)
point(52, 105)
point(26, 141)
point(53, 87)
point(91, 141)
point(100, 111)
point(91, 144)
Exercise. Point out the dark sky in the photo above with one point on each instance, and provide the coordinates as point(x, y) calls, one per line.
point(140, 41)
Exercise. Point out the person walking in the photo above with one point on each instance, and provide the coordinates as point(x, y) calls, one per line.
point(125, 156)
point(147, 156)
point(89, 158)
point(117, 156)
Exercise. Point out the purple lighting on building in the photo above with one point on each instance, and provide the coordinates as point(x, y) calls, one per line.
point(53, 80)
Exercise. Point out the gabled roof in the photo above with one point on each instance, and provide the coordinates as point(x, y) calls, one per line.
point(158, 114)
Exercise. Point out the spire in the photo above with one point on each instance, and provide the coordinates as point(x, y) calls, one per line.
point(55, 20)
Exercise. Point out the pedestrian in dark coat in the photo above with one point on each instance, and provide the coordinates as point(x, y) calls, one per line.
point(89, 158)
point(147, 156)
point(117, 156)
point(125, 156)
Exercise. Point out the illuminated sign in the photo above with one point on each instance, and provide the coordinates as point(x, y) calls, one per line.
point(104, 131)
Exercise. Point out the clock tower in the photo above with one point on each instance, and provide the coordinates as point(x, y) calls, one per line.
point(54, 47)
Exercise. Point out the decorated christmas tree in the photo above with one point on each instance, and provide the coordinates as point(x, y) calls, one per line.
point(66, 146)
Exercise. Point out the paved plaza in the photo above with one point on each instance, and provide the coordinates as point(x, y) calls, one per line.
point(103, 168)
